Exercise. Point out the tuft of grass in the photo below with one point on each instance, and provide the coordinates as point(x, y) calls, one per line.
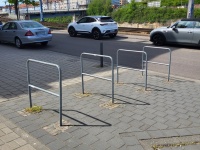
point(34, 109)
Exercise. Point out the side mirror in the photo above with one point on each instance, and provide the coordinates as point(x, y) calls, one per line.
point(173, 28)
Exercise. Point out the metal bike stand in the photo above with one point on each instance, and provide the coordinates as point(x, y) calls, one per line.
point(159, 63)
point(33, 86)
point(83, 73)
point(142, 70)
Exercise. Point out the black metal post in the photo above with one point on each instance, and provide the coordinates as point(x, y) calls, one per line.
point(101, 53)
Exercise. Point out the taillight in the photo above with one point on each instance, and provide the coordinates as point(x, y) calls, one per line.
point(29, 33)
point(103, 24)
point(49, 31)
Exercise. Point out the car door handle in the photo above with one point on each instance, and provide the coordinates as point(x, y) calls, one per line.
point(190, 32)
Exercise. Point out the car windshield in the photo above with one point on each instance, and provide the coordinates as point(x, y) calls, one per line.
point(106, 19)
point(30, 25)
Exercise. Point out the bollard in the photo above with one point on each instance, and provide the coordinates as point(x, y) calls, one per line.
point(101, 53)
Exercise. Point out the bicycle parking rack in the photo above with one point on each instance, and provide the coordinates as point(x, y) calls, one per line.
point(141, 70)
point(112, 69)
point(159, 63)
point(33, 86)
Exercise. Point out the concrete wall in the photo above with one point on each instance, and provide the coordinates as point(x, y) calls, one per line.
point(147, 25)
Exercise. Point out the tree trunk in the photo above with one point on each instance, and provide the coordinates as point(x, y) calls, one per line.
point(16, 9)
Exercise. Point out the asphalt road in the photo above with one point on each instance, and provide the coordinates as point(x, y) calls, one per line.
point(185, 60)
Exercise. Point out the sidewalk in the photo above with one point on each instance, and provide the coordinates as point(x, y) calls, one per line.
point(167, 114)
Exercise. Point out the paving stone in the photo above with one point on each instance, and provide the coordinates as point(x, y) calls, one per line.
point(135, 147)
point(26, 147)
point(105, 136)
point(46, 139)
point(130, 140)
point(9, 137)
point(183, 132)
point(100, 145)
point(142, 135)
point(156, 134)
point(56, 145)
point(116, 142)
point(13, 145)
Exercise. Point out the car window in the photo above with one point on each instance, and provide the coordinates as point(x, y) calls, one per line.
point(197, 24)
point(12, 26)
point(6, 26)
point(106, 19)
point(185, 24)
point(83, 20)
point(90, 20)
point(30, 25)
point(189, 24)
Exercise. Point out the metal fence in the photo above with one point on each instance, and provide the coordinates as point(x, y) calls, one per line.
point(142, 70)
point(83, 73)
point(35, 87)
point(159, 63)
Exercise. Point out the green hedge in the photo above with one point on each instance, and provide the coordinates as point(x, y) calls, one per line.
point(65, 19)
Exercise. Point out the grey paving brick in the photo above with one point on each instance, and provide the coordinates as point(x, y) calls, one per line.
point(170, 133)
point(84, 147)
point(183, 132)
point(38, 133)
point(130, 140)
point(135, 147)
point(156, 134)
point(46, 139)
point(148, 121)
point(116, 142)
point(160, 126)
point(142, 135)
point(63, 136)
point(100, 145)
point(123, 126)
point(105, 136)
point(9, 137)
point(73, 142)
point(89, 139)
point(31, 128)
point(56, 145)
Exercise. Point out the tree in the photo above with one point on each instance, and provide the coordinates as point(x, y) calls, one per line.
point(16, 5)
point(99, 7)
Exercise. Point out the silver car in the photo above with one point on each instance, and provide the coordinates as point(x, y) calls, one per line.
point(185, 31)
point(25, 32)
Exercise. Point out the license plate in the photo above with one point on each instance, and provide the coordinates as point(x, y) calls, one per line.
point(40, 33)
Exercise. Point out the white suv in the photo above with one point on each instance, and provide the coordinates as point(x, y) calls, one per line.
point(97, 26)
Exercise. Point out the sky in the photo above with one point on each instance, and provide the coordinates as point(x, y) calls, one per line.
point(2, 2)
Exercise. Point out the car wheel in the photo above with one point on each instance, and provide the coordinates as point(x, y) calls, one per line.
point(113, 35)
point(158, 40)
point(72, 32)
point(18, 43)
point(44, 43)
point(96, 34)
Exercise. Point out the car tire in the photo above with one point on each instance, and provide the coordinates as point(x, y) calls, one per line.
point(72, 32)
point(18, 43)
point(44, 43)
point(158, 40)
point(96, 34)
point(113, 35)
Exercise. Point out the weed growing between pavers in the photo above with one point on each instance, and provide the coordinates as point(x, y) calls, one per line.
point(181, 144)
point(80, 95)
point(55, 128)
point(142, 90)
point(34, 109)
point(109, 105)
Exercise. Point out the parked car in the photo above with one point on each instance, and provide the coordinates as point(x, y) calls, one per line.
point(97, 26)
point(22, 32)
point(185, 31)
